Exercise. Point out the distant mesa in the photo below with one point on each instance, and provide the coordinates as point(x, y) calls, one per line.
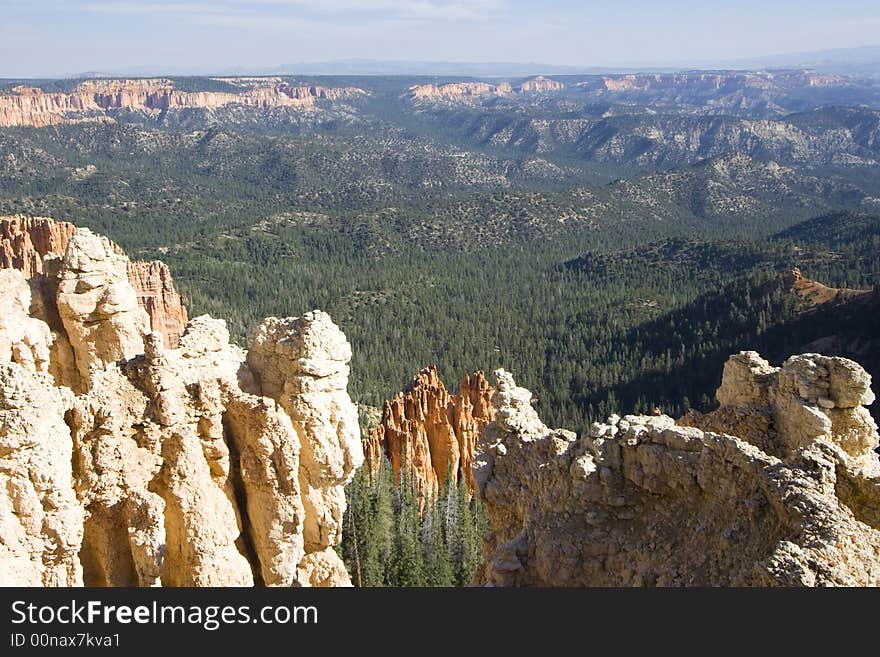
point(714, 81)
point(462, 90)
point(690, 82)
point(91, 100)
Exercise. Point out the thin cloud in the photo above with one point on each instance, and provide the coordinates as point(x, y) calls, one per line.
point(154, 8)
point(265, 12)
point(455, 9)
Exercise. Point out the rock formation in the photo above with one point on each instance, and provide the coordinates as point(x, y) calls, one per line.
point(455, 90)
point(97, 305)
point(156, 294)
point(25, 241)
point(41, 520)
point(126, 463)
point(779, 486)
point(92, 99)
point(302, 363)
point(431, 431)
point(812, 293)
point(458, 91)
point(539, 84)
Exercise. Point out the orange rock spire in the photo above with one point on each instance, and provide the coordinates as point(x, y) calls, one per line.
point(431, 431)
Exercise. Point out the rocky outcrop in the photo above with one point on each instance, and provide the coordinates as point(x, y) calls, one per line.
point(26, 241)
point(461, 91)
point(455, 90)
point(201, 465)
point(539, 84)
point(92, 99)
point(779, 486)
point(97, 305)
point(302, 363)
point(23, 339)
point(430, 432)
point(813, 293)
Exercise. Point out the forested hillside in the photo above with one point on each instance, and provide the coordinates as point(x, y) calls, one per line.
point(610, 271)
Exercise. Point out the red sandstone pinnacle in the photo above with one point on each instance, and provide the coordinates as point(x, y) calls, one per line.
point(25, 240)
point(432, 432)
point(152, 282)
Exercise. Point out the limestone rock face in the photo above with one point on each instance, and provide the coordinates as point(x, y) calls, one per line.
point(41, 520)
point(746, 380)
point(26, 241)
point(97, 305)
point(782, 409)
point(779, 486)
point(707, 81)
point(453, 90)
point(432, 432)
point(468, 91)
point(323, 568)
point(540, 84)
point(23, 339)
point(188, 466)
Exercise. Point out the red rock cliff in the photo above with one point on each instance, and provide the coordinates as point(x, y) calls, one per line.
point(431, 431)
point(25, 240)
point(30, 106)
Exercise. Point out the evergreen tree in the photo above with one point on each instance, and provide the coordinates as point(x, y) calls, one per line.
point(470, 536)
point(391, 538)
point(407, 561)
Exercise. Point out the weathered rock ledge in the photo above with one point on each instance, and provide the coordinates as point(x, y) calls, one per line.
point(779, 486)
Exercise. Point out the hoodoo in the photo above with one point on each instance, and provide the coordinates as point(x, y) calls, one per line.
point(124, 462)
point(431, 432)
point(26, 241)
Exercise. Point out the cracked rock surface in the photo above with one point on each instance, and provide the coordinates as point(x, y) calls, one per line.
point(779, 486)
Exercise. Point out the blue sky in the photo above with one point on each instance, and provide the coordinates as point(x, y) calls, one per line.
point(56, 37)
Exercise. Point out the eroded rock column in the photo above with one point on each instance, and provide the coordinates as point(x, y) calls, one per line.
point(302, 363)
point(97, 304)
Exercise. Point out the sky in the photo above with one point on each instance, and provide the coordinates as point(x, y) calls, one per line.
point(53, 38)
